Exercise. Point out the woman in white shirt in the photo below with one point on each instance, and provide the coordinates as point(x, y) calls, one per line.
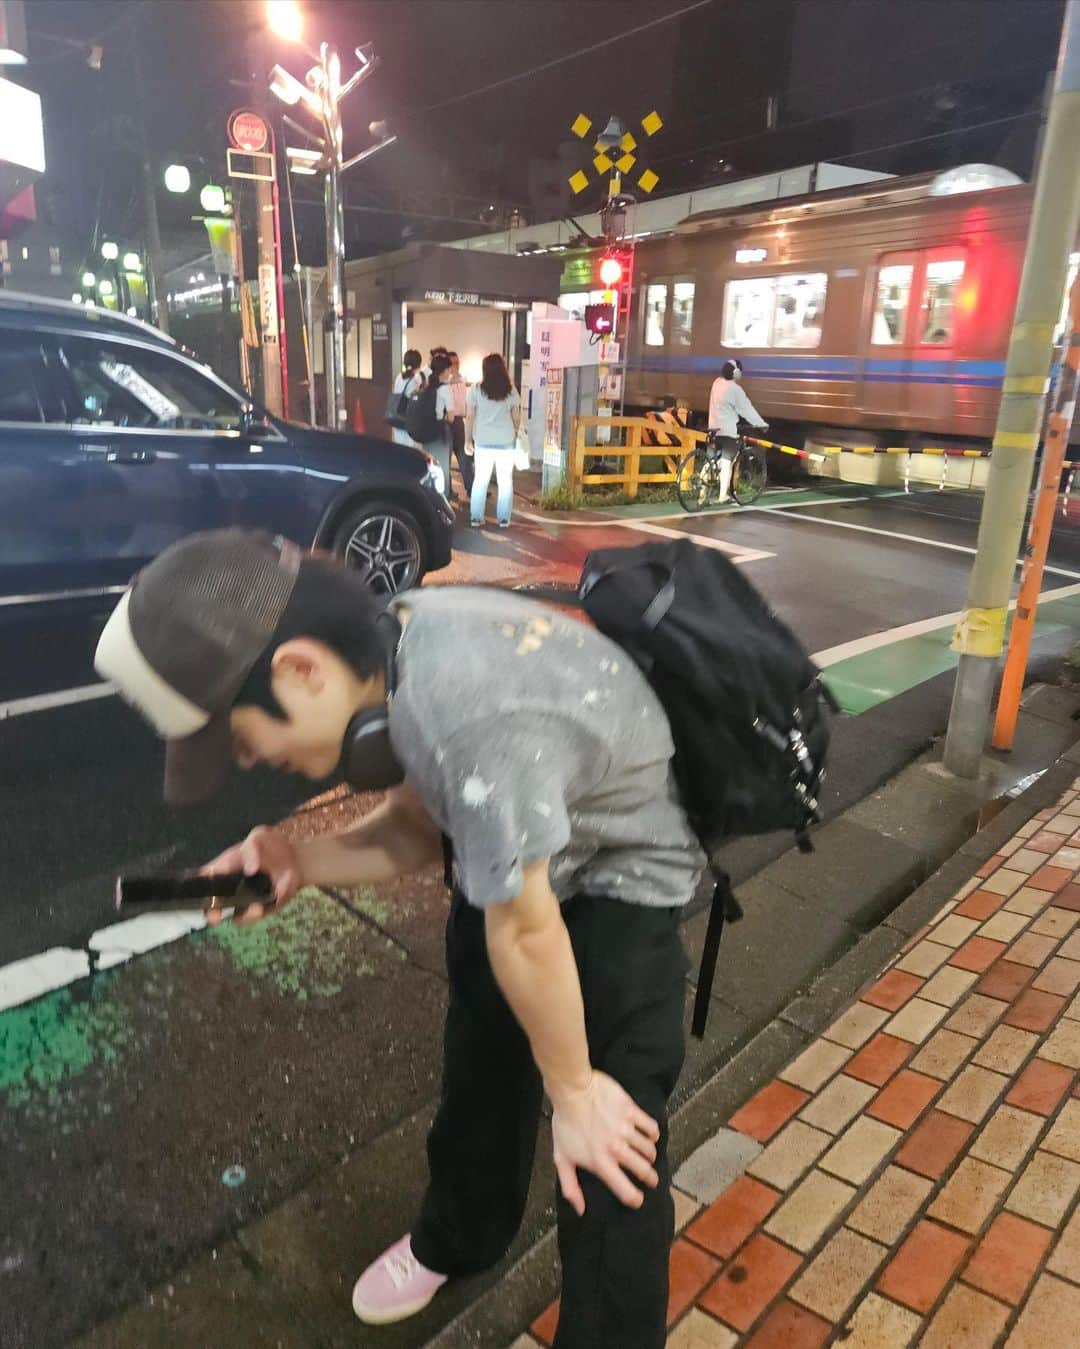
point(408, 382)
point(491, 429)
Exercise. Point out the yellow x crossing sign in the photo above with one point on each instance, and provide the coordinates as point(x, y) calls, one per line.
point(607, 147)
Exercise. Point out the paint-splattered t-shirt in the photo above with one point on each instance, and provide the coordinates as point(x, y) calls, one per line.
point(529, 735)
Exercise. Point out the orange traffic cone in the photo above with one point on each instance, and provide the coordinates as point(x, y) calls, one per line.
point(358, 417)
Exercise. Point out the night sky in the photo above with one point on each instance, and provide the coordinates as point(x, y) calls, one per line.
point(889, 84)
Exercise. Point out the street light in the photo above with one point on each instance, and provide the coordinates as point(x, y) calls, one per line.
point(105, 286)
point(289, 89)
point(110, 251)
point(77, 297)
point(212, 199)
point(178, 178)
point(322, 96)
point(285, 19)
point(132, 262)
point(89, 280)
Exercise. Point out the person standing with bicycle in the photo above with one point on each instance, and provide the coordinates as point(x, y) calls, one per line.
point(727, 403)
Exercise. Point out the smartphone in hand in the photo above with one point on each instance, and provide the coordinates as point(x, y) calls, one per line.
point(192, 893)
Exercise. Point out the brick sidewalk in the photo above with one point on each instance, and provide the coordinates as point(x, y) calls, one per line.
point(911, 1178)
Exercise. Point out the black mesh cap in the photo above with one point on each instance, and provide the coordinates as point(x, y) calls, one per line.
point(184, 637)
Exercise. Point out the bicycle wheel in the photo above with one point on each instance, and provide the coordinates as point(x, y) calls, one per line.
point(697, 481)
point(748, 477)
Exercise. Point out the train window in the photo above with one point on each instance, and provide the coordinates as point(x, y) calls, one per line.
point(655, 313)
point(890, 310)
point(798, 310)
point(682, 313)
point(943, 276)
point(748, 311)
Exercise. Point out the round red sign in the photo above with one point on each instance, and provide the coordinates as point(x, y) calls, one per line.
point(248, 131)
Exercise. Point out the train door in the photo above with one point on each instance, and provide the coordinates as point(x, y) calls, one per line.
point(892, 340)
point(937, 383)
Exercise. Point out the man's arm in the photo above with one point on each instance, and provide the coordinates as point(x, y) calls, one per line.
point(596, 1123)
point(397, 838)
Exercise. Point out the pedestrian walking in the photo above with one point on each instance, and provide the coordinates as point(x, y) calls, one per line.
point(428, 417)
point(407, 383)
point(491, 430)
point(459, 410)
point(549, 775)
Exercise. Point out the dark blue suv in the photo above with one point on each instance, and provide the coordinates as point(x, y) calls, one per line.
point(115, 442)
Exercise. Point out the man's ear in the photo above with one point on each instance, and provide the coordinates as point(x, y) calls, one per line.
point(301, 663)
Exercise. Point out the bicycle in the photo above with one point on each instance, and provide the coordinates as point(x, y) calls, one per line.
point(699, 476)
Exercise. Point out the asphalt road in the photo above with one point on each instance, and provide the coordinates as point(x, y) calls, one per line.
point(124, 1100)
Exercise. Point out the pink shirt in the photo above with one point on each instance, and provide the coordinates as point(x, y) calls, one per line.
point(459, 392)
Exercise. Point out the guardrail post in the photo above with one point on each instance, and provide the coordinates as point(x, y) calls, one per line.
point(632, 460)
point(577, 454)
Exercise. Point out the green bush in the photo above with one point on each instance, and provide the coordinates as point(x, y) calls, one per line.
point(561, 498)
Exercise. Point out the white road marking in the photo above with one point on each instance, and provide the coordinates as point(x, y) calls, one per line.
point(36, 975)
point(860, 645)
point(24, 980)
point(905, 538)
point(735, 551)
point(46, 702)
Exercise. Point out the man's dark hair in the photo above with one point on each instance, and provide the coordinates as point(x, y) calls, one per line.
point(438, 351)
point(329, 604)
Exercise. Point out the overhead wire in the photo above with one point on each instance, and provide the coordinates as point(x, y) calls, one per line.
point(838, 112)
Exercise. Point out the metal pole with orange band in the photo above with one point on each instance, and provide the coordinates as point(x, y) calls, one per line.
point(1055, 217)
point(1042, 522)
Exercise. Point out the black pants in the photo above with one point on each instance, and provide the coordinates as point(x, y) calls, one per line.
point(481, 1146)
point(465, 463)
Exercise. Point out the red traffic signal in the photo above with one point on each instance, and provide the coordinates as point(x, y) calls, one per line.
point(611, 272)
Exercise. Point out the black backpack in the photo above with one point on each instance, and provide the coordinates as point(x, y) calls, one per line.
point(396, 406)
point(420, 419)
point(746, 704)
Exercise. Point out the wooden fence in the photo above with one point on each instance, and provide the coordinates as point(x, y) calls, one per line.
point(631, 454)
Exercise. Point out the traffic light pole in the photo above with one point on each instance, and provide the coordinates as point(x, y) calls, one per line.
point(979, 637)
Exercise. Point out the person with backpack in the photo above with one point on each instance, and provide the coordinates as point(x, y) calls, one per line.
point(408, 382)
point(549, 779)
point(491, 428)
point(427, 416)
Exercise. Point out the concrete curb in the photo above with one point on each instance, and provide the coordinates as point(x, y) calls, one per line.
point(497, 1315)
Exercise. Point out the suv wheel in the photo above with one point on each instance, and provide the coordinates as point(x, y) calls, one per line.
point(382, 541)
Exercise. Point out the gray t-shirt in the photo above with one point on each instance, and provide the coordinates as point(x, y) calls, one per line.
point(529, 735)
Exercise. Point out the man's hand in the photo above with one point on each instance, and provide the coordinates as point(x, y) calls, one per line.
point(266, 850)
point(601, 1129)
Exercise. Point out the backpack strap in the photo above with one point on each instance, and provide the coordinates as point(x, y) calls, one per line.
point(725, 908)
point(448, 861)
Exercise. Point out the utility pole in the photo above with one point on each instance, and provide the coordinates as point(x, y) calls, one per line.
point(1055, 217)
point(321, 97)
point(267, 272)
point(155, 268)
point(1042, 524)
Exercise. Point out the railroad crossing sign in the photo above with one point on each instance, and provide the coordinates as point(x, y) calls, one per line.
point(615, 153)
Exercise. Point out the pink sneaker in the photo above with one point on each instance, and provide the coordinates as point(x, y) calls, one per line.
point(394, 1287)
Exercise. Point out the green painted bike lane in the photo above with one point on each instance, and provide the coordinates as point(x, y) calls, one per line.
point(862, 681)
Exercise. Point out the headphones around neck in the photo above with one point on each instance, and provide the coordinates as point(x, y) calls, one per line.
point(368, 762)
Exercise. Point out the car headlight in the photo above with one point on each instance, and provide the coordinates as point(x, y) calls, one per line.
point(435, 477)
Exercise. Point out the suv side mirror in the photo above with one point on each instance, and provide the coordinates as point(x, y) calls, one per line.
point(256, 425)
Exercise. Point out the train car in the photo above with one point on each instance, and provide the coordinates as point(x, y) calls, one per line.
point(875, 314)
